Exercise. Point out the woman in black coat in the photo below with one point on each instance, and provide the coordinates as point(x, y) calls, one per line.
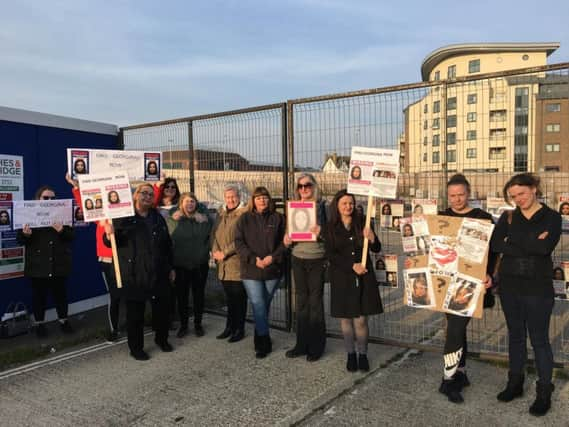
point(48, 263)
point(145, 258)
point(526, 237)
point(354, 293)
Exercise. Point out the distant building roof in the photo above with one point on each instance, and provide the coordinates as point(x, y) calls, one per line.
point(445, 52)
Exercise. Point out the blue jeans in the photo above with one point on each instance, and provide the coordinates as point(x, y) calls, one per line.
point(529, 314)
point(260, 293)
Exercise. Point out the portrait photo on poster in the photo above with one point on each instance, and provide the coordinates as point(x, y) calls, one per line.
point(419, 288)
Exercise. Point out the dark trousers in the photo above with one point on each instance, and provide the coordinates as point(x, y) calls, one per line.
point(529, 314)
point(195, 278)
point(236, 304)
point(309, 287)
point(114, 295)
point(455, 344)
point(135, 321)
point(40, 288)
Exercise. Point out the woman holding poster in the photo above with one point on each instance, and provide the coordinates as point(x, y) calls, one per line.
point(526, 237)
point(48, 263)
point(455, 348)
point(353, 289)
point(190, 232)
point(308, 266)
point(145, 256)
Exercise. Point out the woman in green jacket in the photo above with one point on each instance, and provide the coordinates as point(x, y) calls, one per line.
point(190, 231)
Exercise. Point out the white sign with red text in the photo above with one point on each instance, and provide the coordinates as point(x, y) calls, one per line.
point(105, 196)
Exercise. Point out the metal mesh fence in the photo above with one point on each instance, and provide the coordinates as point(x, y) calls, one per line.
point(487, 127)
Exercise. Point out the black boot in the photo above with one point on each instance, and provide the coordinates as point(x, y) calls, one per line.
point(461, 379)
point(264, 347)
point(451, 389)
point(352, 363)
point(225, 334)
point(256, 341)
point(237, 335)
point(363, 363)
point(514, 388)
point(542, 401)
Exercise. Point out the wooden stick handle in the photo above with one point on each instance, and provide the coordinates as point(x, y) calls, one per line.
point(367, 224)
point(116, 259)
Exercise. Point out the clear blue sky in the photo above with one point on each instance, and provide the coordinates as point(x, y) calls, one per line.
point(127, 62)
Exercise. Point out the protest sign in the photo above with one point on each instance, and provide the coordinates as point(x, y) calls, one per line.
point(139, 165)
point(42, 213)
point(11, 177)
point(373, 171)
point(105, 196)
point(454, 263)
point(424, 207)
point(301, 218)
point(563, 209)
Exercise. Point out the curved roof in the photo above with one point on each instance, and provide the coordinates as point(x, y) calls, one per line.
point(445, 52)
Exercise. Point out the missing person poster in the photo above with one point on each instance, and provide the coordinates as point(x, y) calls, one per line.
point(139, 165)
point(391, 212)
point(419, 290)
point(379, 268)
point(561, 280)
point(424, 207)
point(456, 264)
point(415, 235)
point(391, 270)
point(106, 196)
point(563, 208)
point(42, 213)
point(301, 219)
point(373, 171)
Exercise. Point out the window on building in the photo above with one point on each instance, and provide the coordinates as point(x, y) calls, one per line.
point(553, 108)
point(471, 153)
point(424, 157)
point(497, 115)
point(470, 135)
point(451, 121)
point(553, 127)
point(552, 148)
point(436, 123)
point(425, 108)
point(451, 155)
point(437, 107)
point(474, 66)
point(472, 98)
point(471, 117)
point(497, 133)
point(497, 153)
point(436, 140)
point(451, 103)
point(436, 157)
point(425, 140)
point(437, 75)
point(426, 124)
point(551, 168)
point(451, 138)
point(451, 72)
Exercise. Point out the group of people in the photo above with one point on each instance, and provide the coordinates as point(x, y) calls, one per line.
point(164, 250)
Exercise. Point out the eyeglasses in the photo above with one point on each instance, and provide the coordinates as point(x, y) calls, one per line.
point(305, 186)
point(48, 197)
point(173, 187)
point(146, 193)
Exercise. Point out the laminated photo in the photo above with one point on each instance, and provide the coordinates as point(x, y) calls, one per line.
point(563, 209)
point(419, 288)
point(391, 270)
point(473, 239)
point(424, 207)
point(443, 257)
point(462, 295)
point(391, 213)
point(379, 268)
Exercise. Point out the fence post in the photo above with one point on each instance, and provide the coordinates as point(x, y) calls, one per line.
point(287, 156)
point(191, 156)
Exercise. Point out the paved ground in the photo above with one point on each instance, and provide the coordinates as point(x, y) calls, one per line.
point(210, 382)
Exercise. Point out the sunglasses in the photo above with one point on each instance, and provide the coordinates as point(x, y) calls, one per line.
point(304, 186)
point(173, 187)
point(48, 197)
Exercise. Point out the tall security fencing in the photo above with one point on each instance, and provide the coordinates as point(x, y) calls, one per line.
point(488, 127)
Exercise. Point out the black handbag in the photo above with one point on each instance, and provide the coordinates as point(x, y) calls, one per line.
point(16, 320)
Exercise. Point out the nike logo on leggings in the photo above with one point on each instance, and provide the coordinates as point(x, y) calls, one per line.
point(451, 363)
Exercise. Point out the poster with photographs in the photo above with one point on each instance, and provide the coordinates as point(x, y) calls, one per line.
point(301, 218)
point(373, 171)
point(496, 206)
point(415, 234)
point(379, 267)
point(78, 217)
point(561, 280)
point(42, 213)
point(419, 288)
point(391, 212)
point(138, 165)
point(462, 295)
point(106, 196)
point(424, 207)
point(473, 239)
point(392, 270)
point(563, 209)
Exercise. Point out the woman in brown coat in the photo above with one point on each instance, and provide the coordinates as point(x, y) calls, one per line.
point(228, 264)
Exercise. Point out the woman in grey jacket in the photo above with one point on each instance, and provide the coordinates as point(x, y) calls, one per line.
point(227, 259)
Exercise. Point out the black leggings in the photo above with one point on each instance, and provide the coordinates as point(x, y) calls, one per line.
point(196, 278)
point(40, 288)
point(114, 295)
point(455, 344)
point(236, 304)
point(135, 321)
